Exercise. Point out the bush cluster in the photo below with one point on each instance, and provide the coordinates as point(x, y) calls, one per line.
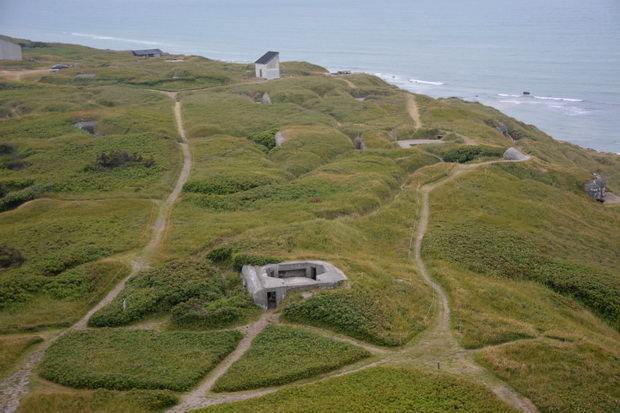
point(283, 354)
point(122, 159)
point(267, 138)
point(15, 199)
point(462, 154)
point(193, 291)
point(230, 183)
point(234, 254)
point(10, 257)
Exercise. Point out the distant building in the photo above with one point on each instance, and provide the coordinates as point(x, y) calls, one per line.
point(596, 188)
point(268, 66)
point(148, 53)
point(10, 51)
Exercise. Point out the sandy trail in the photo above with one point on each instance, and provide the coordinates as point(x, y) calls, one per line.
point(412, 108)
point(16, 76)
point(15, 387)
point(437, 348)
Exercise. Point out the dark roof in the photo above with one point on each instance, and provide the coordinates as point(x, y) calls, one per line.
point(266, 58)
point(146, 52)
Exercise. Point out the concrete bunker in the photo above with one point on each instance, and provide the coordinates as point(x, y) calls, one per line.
point(269, 284)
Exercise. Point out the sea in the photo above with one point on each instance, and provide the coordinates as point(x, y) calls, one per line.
point(564, 53)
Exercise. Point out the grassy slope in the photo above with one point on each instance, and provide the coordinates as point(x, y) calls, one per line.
point(377, 389)
point(554, 257)
point(280, 355)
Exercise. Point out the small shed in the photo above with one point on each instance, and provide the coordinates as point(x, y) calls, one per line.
point(148, 53)
point(10, 50)
point(596, 188)
point(268, 66)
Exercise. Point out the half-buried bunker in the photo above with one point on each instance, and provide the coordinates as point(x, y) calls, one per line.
point(269, 284)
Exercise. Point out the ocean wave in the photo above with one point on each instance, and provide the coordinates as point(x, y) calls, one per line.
point(508, 96)
point(118, 39)
point(558, 99)
point(426, 82)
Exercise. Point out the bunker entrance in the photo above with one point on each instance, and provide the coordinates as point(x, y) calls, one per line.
point(271, 300)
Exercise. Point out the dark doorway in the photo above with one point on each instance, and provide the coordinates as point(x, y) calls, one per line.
point(261, 72)
point(313, 272)
point(271, 300)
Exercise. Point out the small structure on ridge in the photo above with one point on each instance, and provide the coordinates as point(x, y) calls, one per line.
point(148, 53)
point(10, 50)
point(268, 66)
point(596, 188)
point(269, 284)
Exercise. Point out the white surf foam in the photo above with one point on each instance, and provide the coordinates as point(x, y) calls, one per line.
point(119, 39)
point(558, 99)
point(426, 82)
point(507, 95)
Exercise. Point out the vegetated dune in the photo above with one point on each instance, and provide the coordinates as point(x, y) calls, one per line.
point(528, 262)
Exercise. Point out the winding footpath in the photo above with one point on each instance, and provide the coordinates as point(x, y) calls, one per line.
point(15, 387)
point(437, 348)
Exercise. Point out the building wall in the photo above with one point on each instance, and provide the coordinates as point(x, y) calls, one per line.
point(10, 51)
point(271, 70)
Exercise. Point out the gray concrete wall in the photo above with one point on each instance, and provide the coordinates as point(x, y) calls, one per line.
point(10, 51)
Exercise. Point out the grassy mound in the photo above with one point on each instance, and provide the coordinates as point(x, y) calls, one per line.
point(282, 354)
point(135, 359)
point(374, 390)
point(559, 376)
point(194, 291)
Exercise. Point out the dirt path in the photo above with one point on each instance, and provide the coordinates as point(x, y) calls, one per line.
point(348, 82)
point(16, 76)
point(15, 387)
point(198, 398)
point(437, 348)
point(412, 107)
point(468, 140)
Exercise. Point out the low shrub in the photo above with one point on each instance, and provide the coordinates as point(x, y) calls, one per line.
point(15, 199)
point(10, 257)
point(160, 289)
point(194, 292)
point(283, 354)
point(135, 359)
point(462, 154)
point(122, 159)
point(266, 138)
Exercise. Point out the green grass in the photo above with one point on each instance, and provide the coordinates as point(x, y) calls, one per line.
point(376, 389)
point(135, 359)
point(559, 376)
point(522, 236)
point(358, 312)
point(12, 347)
point(135, 401)
point(282, 354)
point(194, 292)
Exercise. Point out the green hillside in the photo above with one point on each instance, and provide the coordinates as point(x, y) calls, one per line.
point(474, 283)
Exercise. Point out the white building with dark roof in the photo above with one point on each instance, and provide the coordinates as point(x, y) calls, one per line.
point(10, 50)
point(268, 66)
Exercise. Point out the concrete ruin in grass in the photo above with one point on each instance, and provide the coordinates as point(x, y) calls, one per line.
point(269, 284)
